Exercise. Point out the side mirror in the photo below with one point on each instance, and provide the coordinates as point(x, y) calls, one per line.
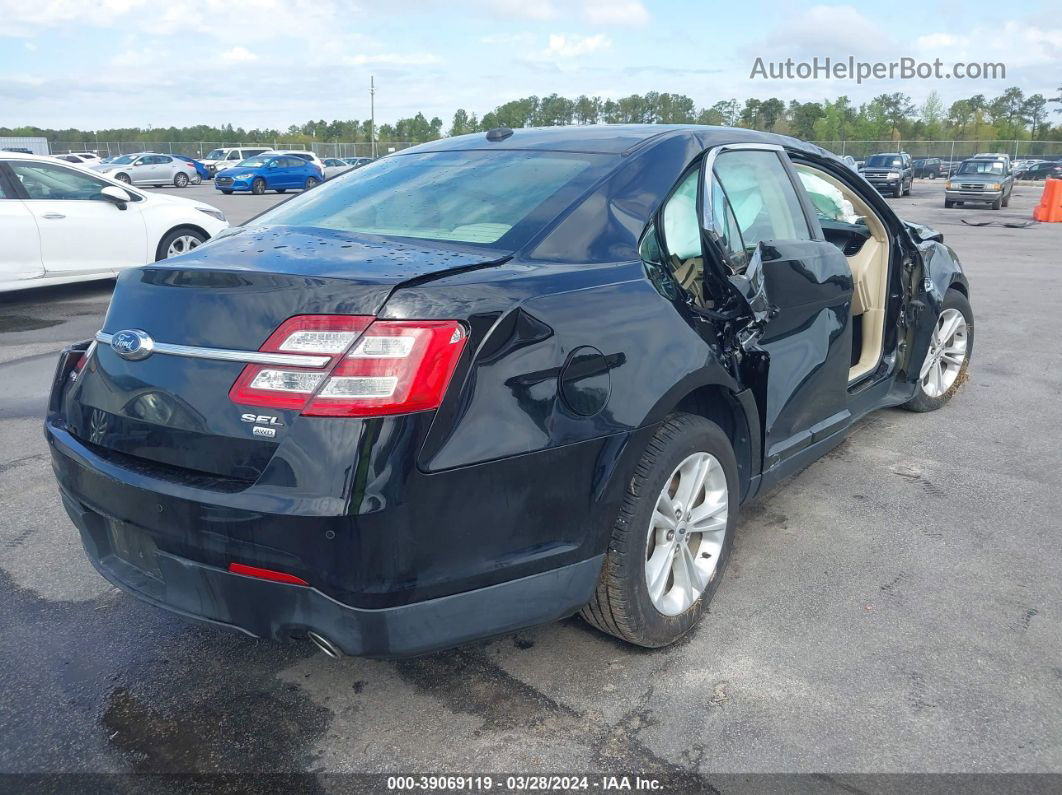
point(119, 197)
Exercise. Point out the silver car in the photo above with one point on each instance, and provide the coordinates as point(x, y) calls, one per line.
point(148, 168)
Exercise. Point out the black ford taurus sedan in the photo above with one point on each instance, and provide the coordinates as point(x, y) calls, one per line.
point(493, 381)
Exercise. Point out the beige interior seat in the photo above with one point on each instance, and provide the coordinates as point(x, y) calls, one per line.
point(870, 272)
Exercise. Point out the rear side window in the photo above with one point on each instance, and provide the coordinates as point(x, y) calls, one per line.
point(44, 181)
point(469, 197)
point(762, 196)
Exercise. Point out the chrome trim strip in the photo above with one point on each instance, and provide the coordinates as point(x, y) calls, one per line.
point(225, 355)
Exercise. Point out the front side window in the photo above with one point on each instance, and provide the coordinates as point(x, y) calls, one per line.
point(43, 181)
point(214, 154)
point(469, 196)
point(763, 199)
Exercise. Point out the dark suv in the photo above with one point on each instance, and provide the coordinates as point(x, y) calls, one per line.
point(495, 380)
point(892, 173)
point(928, 168)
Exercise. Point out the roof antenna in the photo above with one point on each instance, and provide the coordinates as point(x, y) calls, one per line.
point(499, 133)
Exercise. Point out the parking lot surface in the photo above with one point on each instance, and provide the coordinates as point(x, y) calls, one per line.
point(894, 607)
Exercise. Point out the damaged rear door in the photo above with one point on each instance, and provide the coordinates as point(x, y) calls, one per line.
point(796, 289)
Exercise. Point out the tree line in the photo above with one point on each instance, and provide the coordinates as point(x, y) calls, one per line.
point(1010, 116)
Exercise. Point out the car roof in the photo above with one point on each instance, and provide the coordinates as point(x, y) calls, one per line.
point(616, 139)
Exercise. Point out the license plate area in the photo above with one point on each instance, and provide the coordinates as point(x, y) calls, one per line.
point(135, 547)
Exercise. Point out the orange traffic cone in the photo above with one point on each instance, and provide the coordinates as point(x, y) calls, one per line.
point(1050, 206)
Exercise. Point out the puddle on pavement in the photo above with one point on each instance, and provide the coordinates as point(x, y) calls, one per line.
point(23, 323)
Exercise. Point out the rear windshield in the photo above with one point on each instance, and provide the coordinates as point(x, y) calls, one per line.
point(884, 161)
point(982, 167)
point(467, 197)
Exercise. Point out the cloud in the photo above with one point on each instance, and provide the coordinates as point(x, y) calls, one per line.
point(29, 45)
point(615, 12)
point(1014, 43)
point(564, 46)
point(835, 30)
point(238, 54)
point(536, 10)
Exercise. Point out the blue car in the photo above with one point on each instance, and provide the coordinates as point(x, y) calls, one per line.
point(268, 172)
point(200, 170)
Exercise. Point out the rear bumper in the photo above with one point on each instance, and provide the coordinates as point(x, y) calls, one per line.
point(280, 611)
point(430, 572)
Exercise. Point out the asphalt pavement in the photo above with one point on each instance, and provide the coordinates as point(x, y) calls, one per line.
point(893, 608)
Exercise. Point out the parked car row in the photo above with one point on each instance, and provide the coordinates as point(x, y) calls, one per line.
point(61, 222)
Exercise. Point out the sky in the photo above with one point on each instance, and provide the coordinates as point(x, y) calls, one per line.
point(270, 63)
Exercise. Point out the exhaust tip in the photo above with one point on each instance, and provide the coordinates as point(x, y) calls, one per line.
point(325, 645)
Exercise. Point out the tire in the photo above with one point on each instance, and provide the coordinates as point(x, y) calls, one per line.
point(1006, 201)
point(226, 192)
point(948, 204)
point(282, 190)
point(899, 190)
point(258, 187)
point(925, 399)
point(997, 203)
point(181, 240)
point(622, 605)
point(123, 178)
point(197, 179)
point(910, 187)
point(180, 181)
point(311, 182)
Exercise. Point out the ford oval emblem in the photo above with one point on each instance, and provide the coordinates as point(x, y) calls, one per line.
point(132, 344)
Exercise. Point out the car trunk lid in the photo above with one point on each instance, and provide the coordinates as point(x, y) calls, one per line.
point(231, 295)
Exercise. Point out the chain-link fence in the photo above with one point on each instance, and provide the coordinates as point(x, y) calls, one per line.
point(200, 149)
point(947, 150)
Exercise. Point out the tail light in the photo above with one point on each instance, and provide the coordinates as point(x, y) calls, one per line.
point(376, 367)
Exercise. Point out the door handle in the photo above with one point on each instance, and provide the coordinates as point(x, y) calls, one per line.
point(53, 216)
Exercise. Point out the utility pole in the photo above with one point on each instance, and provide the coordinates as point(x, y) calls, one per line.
point(372, 114)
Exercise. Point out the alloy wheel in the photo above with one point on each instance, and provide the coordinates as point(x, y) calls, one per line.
point(686, 534)
point(946, 355)
point(182, 245)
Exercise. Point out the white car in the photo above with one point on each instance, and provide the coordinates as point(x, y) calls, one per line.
point(60, 223)
point(78, 159)
point(230, 157)
point(149, 168)
point(333, 167)
point(305, 155)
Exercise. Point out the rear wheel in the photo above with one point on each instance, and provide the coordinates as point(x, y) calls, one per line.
point(311, 182)
point(179, 241)
point(258, 187)
point(673, 536)
point(948, 358)
point(181, 181)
